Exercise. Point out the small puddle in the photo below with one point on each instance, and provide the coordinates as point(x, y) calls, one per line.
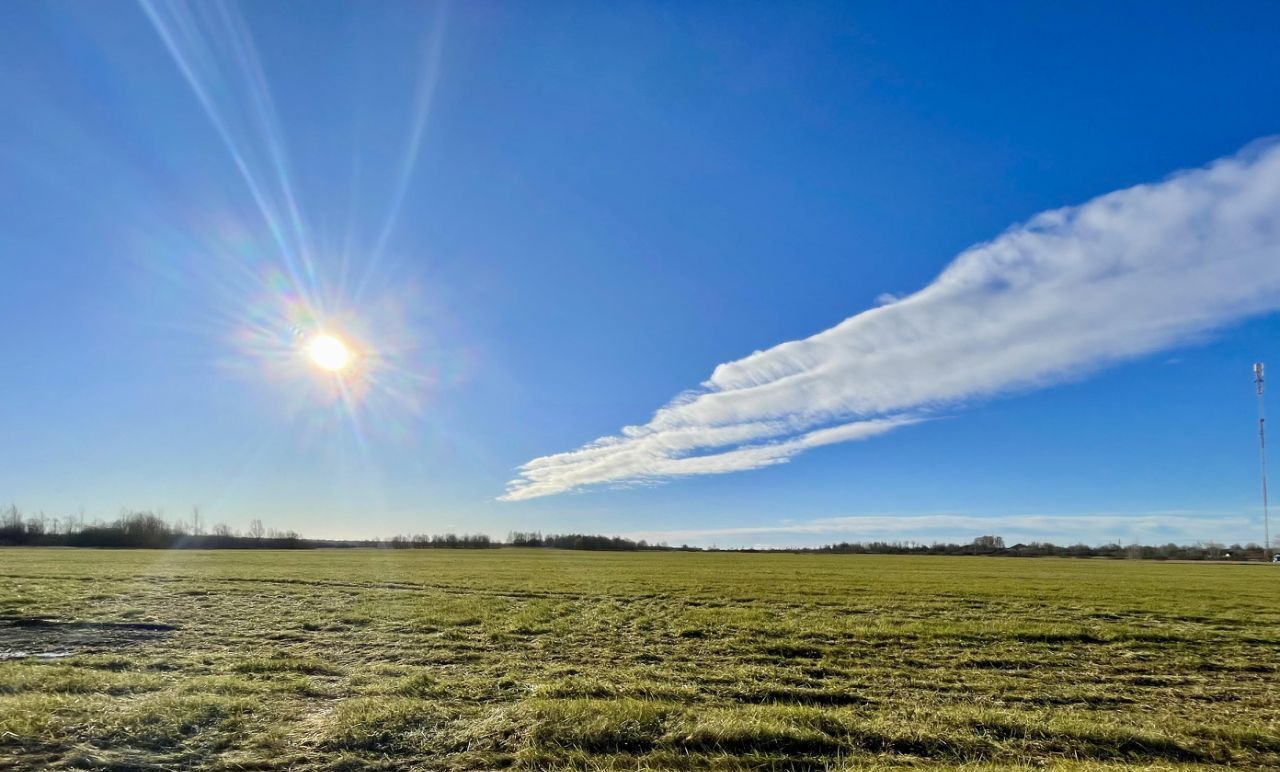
point(37, 655)
point(29, 637)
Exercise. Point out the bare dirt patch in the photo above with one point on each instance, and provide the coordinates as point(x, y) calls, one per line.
point(22, 637)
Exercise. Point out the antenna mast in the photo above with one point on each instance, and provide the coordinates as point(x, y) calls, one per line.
point(1258, 381)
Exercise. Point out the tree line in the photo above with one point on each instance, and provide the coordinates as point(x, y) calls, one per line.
point(145, 530)
point(995, 545)
point(582, 541)
point(473, 541)
point(152, 531)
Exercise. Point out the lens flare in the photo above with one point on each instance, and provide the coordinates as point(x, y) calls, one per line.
point(291, 311)
point(329, 353)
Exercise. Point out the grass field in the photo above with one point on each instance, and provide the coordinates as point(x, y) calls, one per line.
point(438, 659)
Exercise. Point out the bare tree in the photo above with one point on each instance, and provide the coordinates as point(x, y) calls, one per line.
point(256, 529)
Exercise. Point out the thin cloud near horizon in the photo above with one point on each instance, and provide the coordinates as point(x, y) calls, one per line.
point(1067, 292)
point(1182, 526)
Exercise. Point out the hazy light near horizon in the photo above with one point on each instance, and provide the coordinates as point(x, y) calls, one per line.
point(1065, 293)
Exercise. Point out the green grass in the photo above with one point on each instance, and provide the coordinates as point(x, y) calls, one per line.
point(434, 659)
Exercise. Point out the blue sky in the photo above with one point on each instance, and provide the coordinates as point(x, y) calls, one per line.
point(540, 223)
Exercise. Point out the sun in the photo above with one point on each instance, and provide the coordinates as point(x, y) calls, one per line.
point(329, 353)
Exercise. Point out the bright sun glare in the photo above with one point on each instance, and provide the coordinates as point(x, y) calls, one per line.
point(329, 353)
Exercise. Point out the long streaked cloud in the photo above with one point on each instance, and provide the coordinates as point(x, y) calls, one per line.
point(1067, 292)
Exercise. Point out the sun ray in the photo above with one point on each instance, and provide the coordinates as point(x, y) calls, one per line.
point(422, 111)
point(215, 53)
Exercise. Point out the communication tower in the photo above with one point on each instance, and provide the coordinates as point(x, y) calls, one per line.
point(1259, 381)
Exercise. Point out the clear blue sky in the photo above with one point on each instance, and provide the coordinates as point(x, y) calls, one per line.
point(605, 202)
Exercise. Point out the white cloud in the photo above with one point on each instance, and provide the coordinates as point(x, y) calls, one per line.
point(1071, 290)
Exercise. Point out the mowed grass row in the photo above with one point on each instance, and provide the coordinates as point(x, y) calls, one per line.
point(546, 659)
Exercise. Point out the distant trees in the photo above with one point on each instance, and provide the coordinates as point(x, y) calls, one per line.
point(132, 529)
point(580, 541)
point(454, 541)
point(525, 539)
point(151, 530)
point(440, 541)
point(994, 545)
point(988, 543)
